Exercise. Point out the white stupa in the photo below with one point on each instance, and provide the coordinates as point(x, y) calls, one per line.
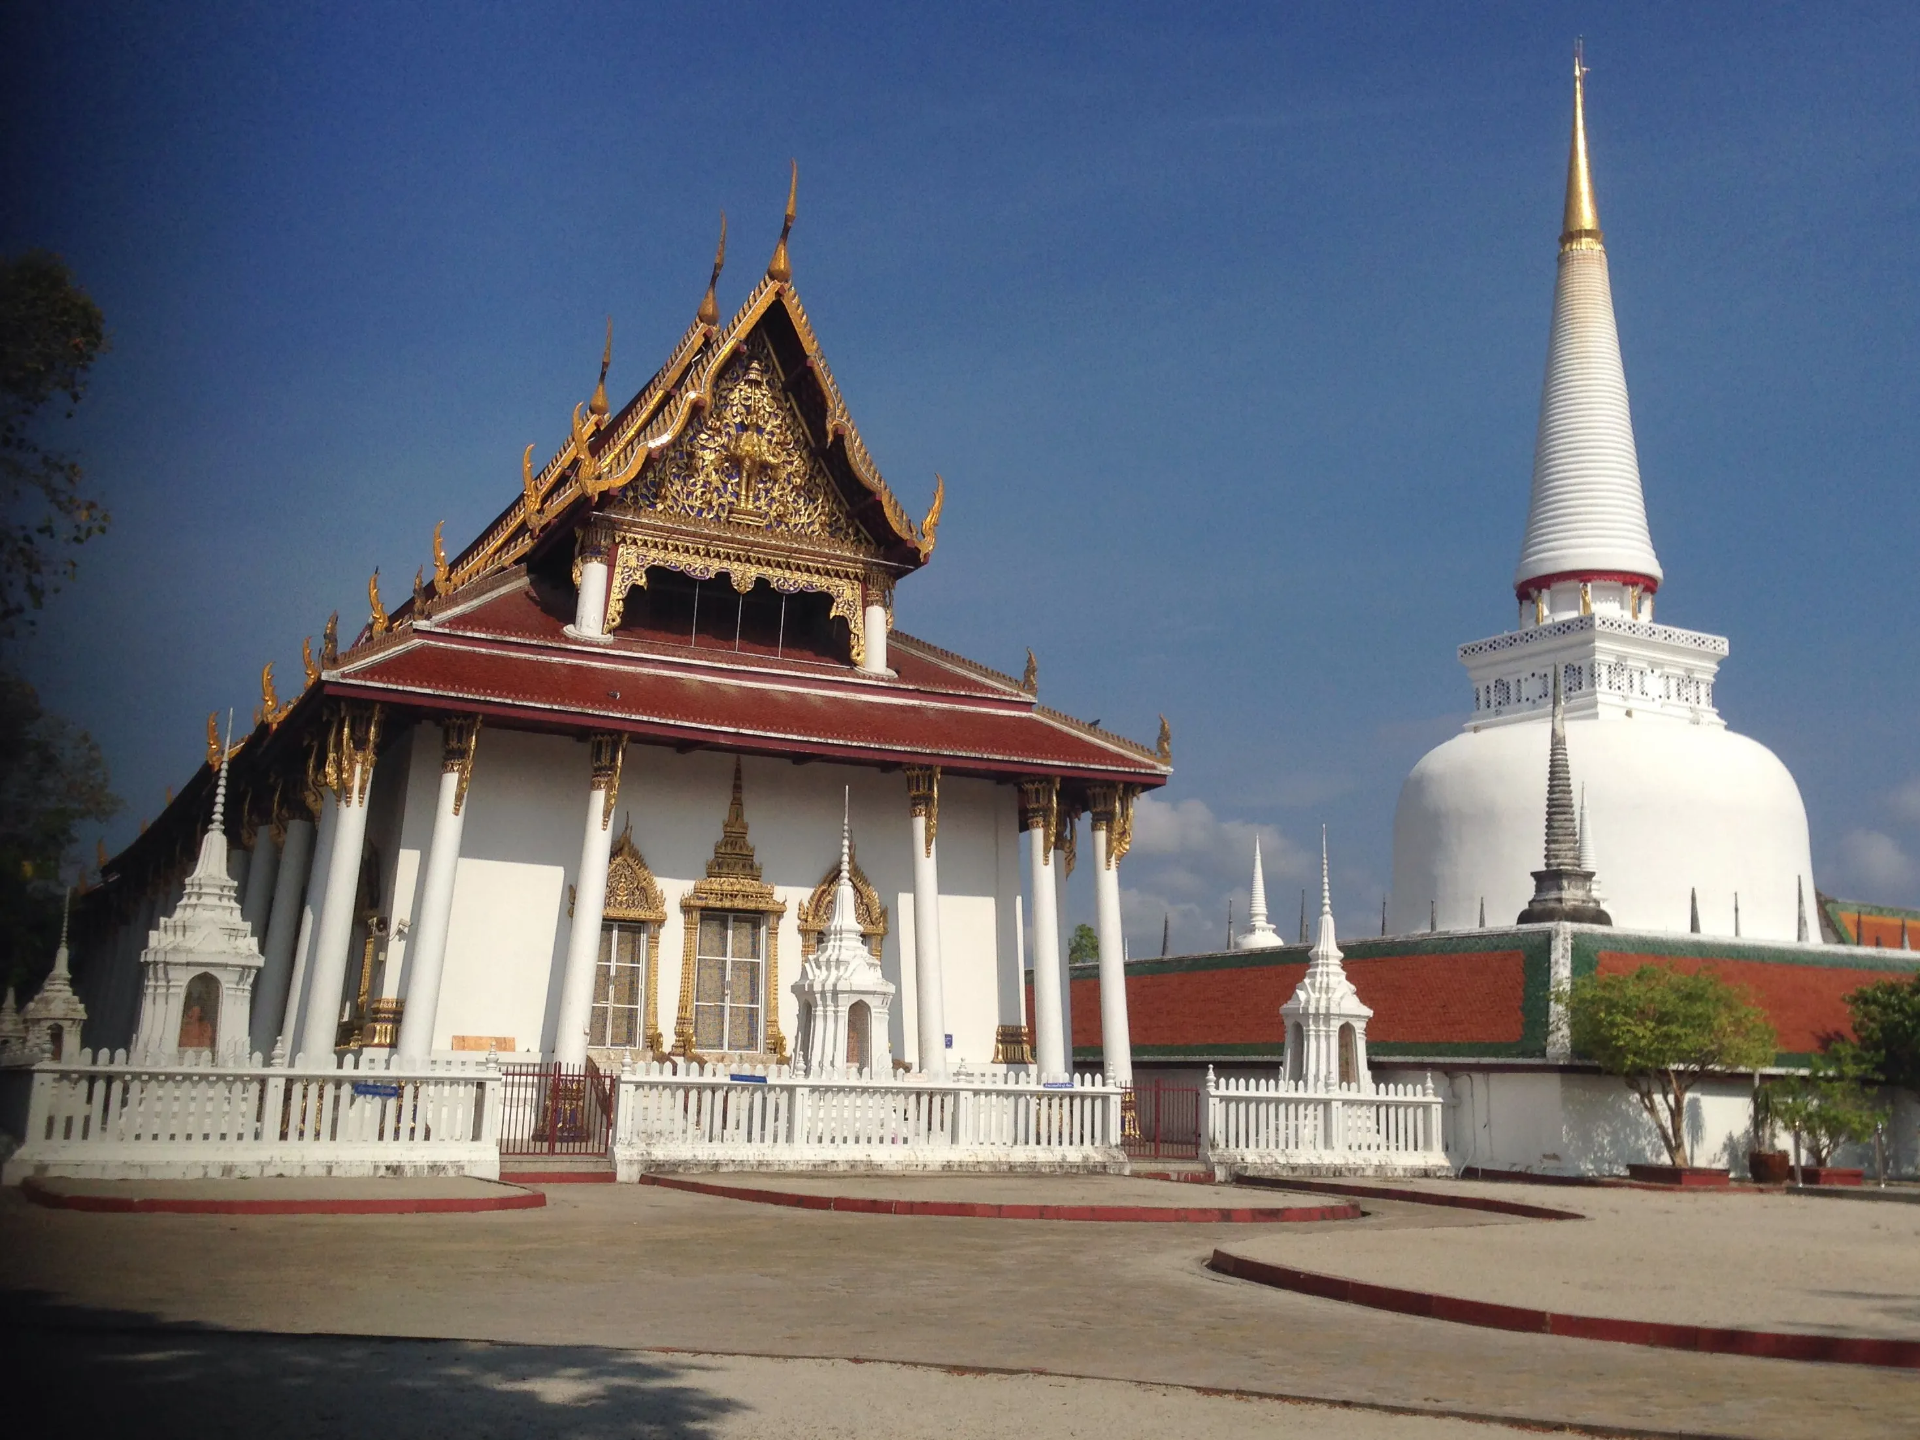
point(1259, 934)
point(1326, 1023)
point(1685, 805)
point(845, 1000)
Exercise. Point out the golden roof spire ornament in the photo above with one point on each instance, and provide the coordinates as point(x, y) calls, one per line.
point(1580, 225)
point(1030, 682)
point(379, 617)
point(330, 642)
point(780, 268)
point(709, 313)
point(306, 660)
point(932, 522)
point(597, 407)
point(269, 711)
point(213, 745)
point(1164, 748)
point(530, 506)
point(440, 570)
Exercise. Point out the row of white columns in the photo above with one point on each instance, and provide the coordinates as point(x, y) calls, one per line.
point(306, 940)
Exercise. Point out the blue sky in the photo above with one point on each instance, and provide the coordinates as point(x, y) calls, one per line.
point(1224, 324)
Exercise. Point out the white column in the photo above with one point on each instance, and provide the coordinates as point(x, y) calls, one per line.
point(923, 791)
point(874, 631)
point(282, 927)
point(589, 901)
point(1116, 1041)
point(590, 607)
point(1064, 941)
point(333, 934)
point(311, 895)
point(1048, 1045)
point(429, 941)
point(262, 871)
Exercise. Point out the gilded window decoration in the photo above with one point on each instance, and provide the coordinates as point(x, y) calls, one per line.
point(1040, 810)
point(634, 913)
point(731, 920)
point(1111, 807)
point(459, 734)
point(923, 798)
point(817, 909)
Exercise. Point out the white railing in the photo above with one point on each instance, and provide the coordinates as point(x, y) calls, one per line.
point(1282, 1125)
point(115, 1118)
point(694, 1116)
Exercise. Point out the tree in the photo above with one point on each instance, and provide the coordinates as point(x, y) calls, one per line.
point(1886, 1022)
point(1831, 1104)
point(1085, 945)
point(1662, 1031)
point(51, 779)
point(50, 335)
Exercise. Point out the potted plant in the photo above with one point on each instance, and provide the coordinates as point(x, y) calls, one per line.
point(1766, 1165)
point(1663, 1031)
point(1829, 1106)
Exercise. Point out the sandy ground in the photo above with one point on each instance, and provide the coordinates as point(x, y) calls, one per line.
point(211, 1385)
point(619, 1268)
point(1754, 1261)
point(452, 1187)
point(1027, 1190)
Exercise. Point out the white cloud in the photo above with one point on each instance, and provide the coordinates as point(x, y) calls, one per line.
point(1905, 801)
point(1876, 865)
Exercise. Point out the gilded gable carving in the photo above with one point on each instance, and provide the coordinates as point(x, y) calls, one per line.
point(817, 910)
point(748, 463)
point(632, 893)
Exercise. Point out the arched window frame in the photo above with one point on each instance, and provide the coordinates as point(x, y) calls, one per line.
point(633, 898)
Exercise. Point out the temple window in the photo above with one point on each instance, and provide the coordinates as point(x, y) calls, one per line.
point(1349, 1057)
point(619, 985)
point(860, 1036)
point(1296, 1051)
point(728, 994)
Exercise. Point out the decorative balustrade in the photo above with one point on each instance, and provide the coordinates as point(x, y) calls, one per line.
point(112, 1117)
point(1281, 1125)
point(713, 1117)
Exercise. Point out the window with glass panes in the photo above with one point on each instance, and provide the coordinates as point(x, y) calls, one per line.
point(618, 984)
point(728, 970)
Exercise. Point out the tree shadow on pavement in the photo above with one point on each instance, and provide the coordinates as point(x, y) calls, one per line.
point(99, 1371)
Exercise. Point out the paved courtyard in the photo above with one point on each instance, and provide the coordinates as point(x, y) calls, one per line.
point(624, 1310)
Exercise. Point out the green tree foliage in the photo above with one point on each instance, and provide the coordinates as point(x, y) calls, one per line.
point(1832, 1104)
point(51, 780)
point(1085, 945)
point(1661, 1031)
point(1886, 1021)
point(50, 334)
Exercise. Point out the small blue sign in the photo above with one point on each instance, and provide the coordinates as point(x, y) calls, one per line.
point(949, 1042)
point(1056, 1084)
point(749, 1079)
point(376, 1087)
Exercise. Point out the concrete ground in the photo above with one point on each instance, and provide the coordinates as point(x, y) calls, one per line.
point(581, 1299)
point(1023, 1190)
point(1753, 1261)
point(445, 1187)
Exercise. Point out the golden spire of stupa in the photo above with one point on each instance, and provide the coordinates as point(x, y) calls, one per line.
point(709, 313)
point(780, 268)
point(1580, 227)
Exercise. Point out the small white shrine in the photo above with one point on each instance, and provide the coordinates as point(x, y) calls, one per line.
point(845, 1000)
point(49, 1025)
point(1326, 1023)
point(200, 962)
point(1259, 934)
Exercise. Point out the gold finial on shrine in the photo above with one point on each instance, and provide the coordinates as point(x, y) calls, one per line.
point(709, 313)
point(780, 268)
point(306, 660)
point(932, 522)
point(379, 618)
point(440, 571)
point(597, 407)
point(1030, 682)
point(1580, 225)
point(330, 642)
point(1164, 747)
point(213, 743)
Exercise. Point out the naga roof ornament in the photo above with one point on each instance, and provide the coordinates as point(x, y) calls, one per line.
point(709, 311)
point(780, 267)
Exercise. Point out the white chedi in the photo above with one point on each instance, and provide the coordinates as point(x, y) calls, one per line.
point(50, 1023)
point(845, 1001)
point(1326, 1023)
point(201, 961)
point(1259, 934)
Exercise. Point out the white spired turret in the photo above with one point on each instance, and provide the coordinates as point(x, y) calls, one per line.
point(1683, 804)
point(1326, 1023)
point(844, 1000)
point(1259, 934)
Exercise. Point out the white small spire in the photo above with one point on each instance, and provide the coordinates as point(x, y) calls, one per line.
point(1325, 952)
point(1259, 934)
point(1326, 1023)
point(61, 955)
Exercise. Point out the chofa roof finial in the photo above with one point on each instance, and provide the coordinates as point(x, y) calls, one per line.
point(597, 407)
point(709, 313)
point(780, 268)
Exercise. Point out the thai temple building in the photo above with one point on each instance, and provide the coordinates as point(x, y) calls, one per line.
point(581, 792)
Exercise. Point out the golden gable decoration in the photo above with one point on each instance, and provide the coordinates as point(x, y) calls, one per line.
point(817, 910)
point(633, 898)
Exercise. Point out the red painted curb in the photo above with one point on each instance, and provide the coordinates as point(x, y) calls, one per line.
point(1413, 1197)
point(1706, 1339)
point(147, 1205)
point(558, 1177)
point(977, 1210)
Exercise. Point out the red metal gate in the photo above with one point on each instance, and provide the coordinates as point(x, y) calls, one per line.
point(1164, 1123)
point(555, 1110)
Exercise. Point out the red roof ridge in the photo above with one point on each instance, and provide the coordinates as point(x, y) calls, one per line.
point(1096, 732)
point(931, 651)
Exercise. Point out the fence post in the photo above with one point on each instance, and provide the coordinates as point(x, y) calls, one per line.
point(492, 1095)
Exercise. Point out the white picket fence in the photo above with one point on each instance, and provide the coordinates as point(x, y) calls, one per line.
point(114, 1118)
point(1281, 1127)
point(709, 1117)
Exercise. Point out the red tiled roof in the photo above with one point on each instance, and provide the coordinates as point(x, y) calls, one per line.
point(507, 656)
point(1806, 1003)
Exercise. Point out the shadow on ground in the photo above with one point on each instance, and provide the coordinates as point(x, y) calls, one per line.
point(119, 1372)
